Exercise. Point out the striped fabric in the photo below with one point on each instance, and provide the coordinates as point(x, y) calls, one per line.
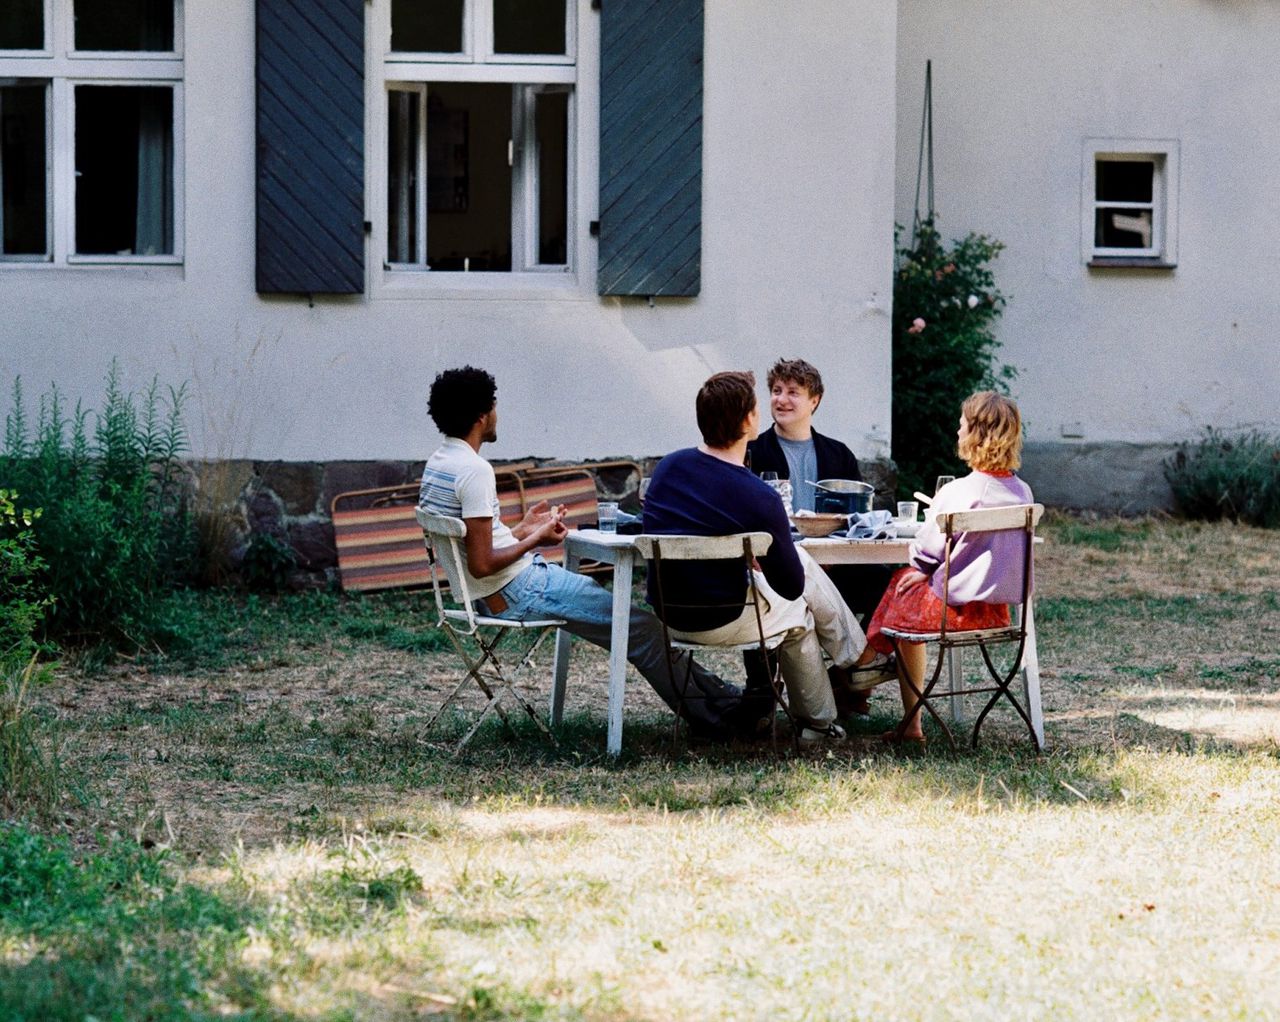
point(379, 540)
point(380, 543)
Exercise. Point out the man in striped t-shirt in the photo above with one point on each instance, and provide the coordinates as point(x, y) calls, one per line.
point(510, 580)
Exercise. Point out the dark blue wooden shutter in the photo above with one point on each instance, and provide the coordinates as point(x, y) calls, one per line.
point(650, 147)
point(310, 146)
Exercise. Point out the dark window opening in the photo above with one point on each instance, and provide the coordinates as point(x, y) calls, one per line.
point(529, 26)
point(23, 180)
point(469, 176)
point(126, 25)
point(1125, 180)
point(22, 25)
point(403, 175)
point(124, 170)
point(427, 26)
point(552, 115)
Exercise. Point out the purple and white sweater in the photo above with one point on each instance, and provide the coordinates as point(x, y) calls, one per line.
point(986, 567)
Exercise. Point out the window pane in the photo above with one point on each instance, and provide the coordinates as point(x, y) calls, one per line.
point(426, 26)
point(124, 170)
point(23, 149)
point(22, 25)
point(1125, 180)
point(468, 176)
point(124, 25)
point(553, 178)
point(404, 136)
point(528, 26)
point(1123, 228)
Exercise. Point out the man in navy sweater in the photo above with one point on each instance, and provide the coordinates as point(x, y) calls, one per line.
point(707, 491)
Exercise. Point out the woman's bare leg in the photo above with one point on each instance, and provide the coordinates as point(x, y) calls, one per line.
point(914, 658)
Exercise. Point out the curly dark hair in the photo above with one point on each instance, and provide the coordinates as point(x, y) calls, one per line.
point(459, 397)
point(723, 404)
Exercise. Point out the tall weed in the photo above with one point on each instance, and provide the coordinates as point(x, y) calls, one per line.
point(1236, 477)
point(115, 529)
point(30, 773)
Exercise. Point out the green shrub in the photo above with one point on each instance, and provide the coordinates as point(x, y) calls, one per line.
point(1236, 477)
point(952, 292)
point(22, 603)
point(115, 529)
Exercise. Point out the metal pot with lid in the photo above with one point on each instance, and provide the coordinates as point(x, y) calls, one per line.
point(843, 496)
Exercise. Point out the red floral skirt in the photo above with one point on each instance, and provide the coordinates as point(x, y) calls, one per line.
point(920, 610)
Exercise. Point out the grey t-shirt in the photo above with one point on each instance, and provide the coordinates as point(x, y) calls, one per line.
point(802, 461)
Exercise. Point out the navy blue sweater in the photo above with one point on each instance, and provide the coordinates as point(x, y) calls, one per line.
point(694, 494)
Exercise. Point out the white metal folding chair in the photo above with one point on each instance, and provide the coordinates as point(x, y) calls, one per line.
point(1021, 518)
point(442, 535)
point(743, 547)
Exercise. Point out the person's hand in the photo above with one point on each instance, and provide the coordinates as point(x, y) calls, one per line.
point(534, 517)
point(550, 529)
point(910, 579)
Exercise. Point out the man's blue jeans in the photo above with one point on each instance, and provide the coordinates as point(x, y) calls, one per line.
point(548, 590)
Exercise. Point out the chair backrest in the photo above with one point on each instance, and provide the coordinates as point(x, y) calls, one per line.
point(742, 546)
point(443, 536)
point(1021, 518)
point(704, 548)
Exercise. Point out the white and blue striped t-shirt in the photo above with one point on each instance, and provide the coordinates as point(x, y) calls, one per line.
point(459, 483)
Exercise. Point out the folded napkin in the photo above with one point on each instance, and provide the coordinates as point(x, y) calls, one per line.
point(873, 525)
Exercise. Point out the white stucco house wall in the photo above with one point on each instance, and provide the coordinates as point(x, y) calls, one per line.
point(797, 200)
point(1118, 358)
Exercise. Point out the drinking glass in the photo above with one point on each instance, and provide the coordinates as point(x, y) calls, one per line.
point(942, 481)
point(608, 516)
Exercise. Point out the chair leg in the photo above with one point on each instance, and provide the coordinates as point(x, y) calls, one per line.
point(1002, 689)
point(493, 692)
point(921, 696)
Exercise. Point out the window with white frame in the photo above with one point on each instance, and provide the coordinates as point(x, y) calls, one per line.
point(1130, 204)
point(90, 120)
point(479, 135)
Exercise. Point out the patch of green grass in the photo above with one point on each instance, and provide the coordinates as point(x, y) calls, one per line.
point(113, 935)
point(217, 628)
point(1109, 535)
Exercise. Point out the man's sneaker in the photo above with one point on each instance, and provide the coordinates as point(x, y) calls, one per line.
point(883, 668)
point(814, 734)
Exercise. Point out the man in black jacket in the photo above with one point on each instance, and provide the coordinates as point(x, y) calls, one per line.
point(796, 451)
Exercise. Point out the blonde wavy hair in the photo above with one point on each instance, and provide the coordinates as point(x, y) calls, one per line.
point(994, 441)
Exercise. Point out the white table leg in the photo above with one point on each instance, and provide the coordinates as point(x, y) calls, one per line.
point(618, 648)
point(1031, 678)
point(955, 681)
point(560, 670)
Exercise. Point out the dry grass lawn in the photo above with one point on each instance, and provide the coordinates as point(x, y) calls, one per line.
point(1131, 872)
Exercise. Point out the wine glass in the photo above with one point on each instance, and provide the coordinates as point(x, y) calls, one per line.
point(942, 481)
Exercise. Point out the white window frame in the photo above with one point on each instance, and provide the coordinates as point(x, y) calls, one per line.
point(404, 71)
point(64, 68)
point(1163, 155)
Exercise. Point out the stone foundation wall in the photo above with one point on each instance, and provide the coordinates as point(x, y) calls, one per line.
point(1111, 478)
point(289, 501)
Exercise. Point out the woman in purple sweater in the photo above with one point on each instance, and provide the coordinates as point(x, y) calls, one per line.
point(986, 568)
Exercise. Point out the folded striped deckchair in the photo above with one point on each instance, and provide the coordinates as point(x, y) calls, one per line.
point(379, 540)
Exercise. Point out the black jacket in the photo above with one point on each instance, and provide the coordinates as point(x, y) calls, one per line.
point(835, 460)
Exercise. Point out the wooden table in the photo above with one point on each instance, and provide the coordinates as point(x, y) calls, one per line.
point(619, 550)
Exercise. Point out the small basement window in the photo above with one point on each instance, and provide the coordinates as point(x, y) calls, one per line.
point(1130, 205)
